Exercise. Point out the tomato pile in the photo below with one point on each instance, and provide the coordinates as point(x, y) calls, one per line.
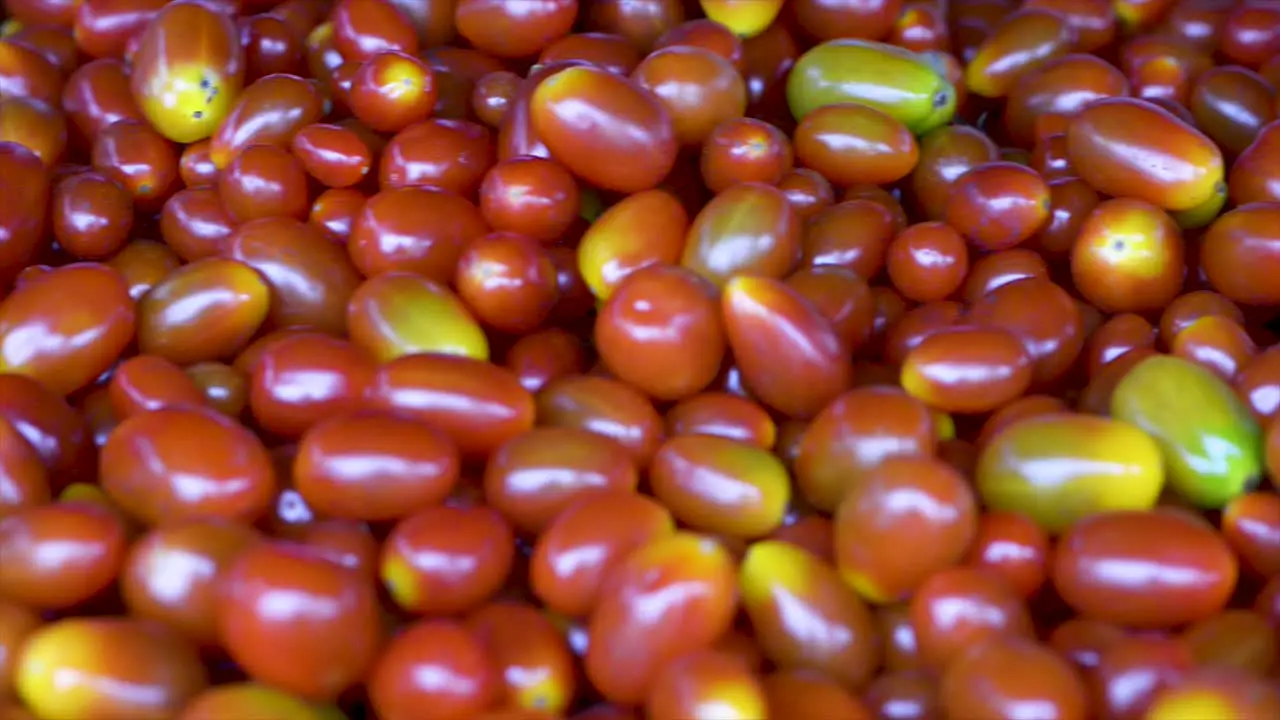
point(667, 359)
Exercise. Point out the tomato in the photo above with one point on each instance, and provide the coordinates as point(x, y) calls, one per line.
point(188, 70)
point(609, 359)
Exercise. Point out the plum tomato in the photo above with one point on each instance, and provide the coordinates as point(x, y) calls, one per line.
point(187, 70)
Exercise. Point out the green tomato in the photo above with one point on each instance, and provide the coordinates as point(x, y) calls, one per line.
point(1212, 445)
point(904, 84)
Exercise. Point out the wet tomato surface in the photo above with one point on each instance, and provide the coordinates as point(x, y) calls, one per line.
point(620, 359)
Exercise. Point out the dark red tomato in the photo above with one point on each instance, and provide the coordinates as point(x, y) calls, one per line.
point(400, 685)
point(84, 317)
point(173, 574)
point(601, 528)
point(92, 216)
point(335, 156)
point(364, 28)
point(269, 112)
point(89, 539)
point(391, 91)
point(625, 143)
point(315, 655)
point(1140, 537)
point(180, 463)
point(476, 544)
point(374, 468)
point(504, 30)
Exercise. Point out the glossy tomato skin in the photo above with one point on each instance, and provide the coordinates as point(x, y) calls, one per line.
point(1009, 479)
point(967, 370)
point(605, 406)
point(1104, 140)
point(699, 88)
point(633, 124)
point(1239, 249)
point(1134, 536)
point(670, 352)
point(773, 575)
point(392, 467)
point(93, 538)
point(868, 522)
point(187, 70)
point(998, 205)
point(479, 405)
point(628, 646)
point(609, 523)
point(21, 232)
point(195, 556)
point(432, 647)
point(270, 111)
point(1128, 257)
point(534, 478)
point(854, 433)
point(773, 332)
point(104, 655)
point(943, 637)
point(86, 316)
point(712, 678)
point(205, 310)
point(480, 543)
point(398, 313)
point(1022, 42)
point(291, 652)
point(533, 655)
point(1026, 672)
point(691, 474)
point(154, 459)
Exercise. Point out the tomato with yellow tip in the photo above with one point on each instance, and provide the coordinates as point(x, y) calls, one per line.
point(399, 313)
point(746, 18)
point(533, 656)
point(16, 623)
point(587, 539)
point(188, 70)
point(643, 229)
point(605, 128)
point(112, 668)
point(1128, 257)
point(1203, 214)
point(1131, 148)
point(480, 543)
point(788, 353)
point(270, 111)
point(720, 485)
point(1022, 42)
point(391, 91)
point(251, 699)
point(747, 229)
point(967, 369)
point(705, 683)
point(907, 519)
point(780, 581)
point(672, 596)
point(1134, 16)
point(1213, 692)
